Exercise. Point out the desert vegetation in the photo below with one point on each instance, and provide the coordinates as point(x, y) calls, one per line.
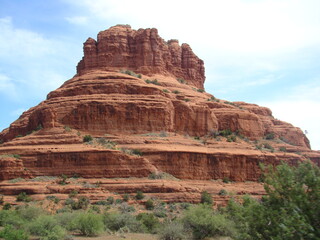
point(289, 210)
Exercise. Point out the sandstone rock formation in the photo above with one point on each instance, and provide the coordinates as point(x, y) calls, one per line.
point(143, 51)
point(158, 119)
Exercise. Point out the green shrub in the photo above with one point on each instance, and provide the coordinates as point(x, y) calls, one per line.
point(270, 136)
point(47, 227)
point(181, 80)
point(200, 90)
point(29, 213)
point(172, 231)
point(73, 193)
point(82, 203)
point(283, 149)
point(149, 204)
point(226, 180)
point(89, 224)
point(125, 197)
point(1, 199)
point(67, 220)
point(176, 91)
point(223, 192)
point(205, 223)
point(6, 206)
point(53, 199)
point(110, 200)
point(23, 197)
point(131, 73)
point(87, 138)
point(206, 198)
point(166, 90)
point(155, 82)
point(149, 221)
point(225, 132)
point(231, 138)
point(10, 233)
point(115, 221)
point(139, 195)
point(126, 208)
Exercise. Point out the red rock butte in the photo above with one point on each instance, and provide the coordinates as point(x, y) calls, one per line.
point(142, 100)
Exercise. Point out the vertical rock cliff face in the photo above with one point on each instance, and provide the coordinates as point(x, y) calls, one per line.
point(143, 51)
point(161, 110)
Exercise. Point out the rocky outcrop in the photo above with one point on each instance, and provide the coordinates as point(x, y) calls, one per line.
point(143, 51)
point(173, 125)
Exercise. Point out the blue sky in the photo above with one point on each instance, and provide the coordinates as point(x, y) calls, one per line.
point(259, 51)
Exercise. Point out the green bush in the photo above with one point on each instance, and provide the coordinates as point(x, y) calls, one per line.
point(1, 199)
point(87, 138)
point(115, 221)
point(47, 227)
point(205, 223)
point(166, 90)
point(6, 206)
point(29, 213)
point(126, 208)
point(149, 221)
point(149, 204)
point(282, 149)
point(231, 138)
point(223, 192)
point(23, 197)
point(82, 203)
point(110, 200)
point(73, 193)
point(225, 132)
point(89, 224)
point(139, 195)
point(206, 198)
point(270, 136)
point(125, 197)
point(172, 231)
point(10, 233)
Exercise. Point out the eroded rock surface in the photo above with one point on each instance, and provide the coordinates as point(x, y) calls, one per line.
point(146, 122)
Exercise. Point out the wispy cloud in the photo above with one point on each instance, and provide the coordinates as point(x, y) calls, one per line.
point(78, 20)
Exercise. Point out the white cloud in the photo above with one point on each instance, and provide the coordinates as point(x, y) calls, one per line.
point(36, 63)
point(7, 87)
point(303, 114)
point(78, 20)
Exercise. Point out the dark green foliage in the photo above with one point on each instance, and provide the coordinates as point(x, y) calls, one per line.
point(10, 233)
point(23, 197)
point(73, 193)
point(223, 192)
point(110, 200)
point(186, 99)
point(200, 90)
point(225, 132)
point(89, 224)
point(149, 204)
point(87, 138)
point(205, 223)
point(1, 200)
point(176, 91)
point(282, 149)
point(137, 152)
point(181, 80)
point(82, 203)
point(166, 90)
point(270, 136)
point(125, 197)
point(155, 82)
point(268, 146)
point(139, 195)
point(53, 199)
point(29, 213)
point(231, 138)
point(290, 210)
point(148, 220)
point(226, 180)
point(6, 206)
point(118, 201)
point(206, 198)
point(172, 231)
point(63, 179)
